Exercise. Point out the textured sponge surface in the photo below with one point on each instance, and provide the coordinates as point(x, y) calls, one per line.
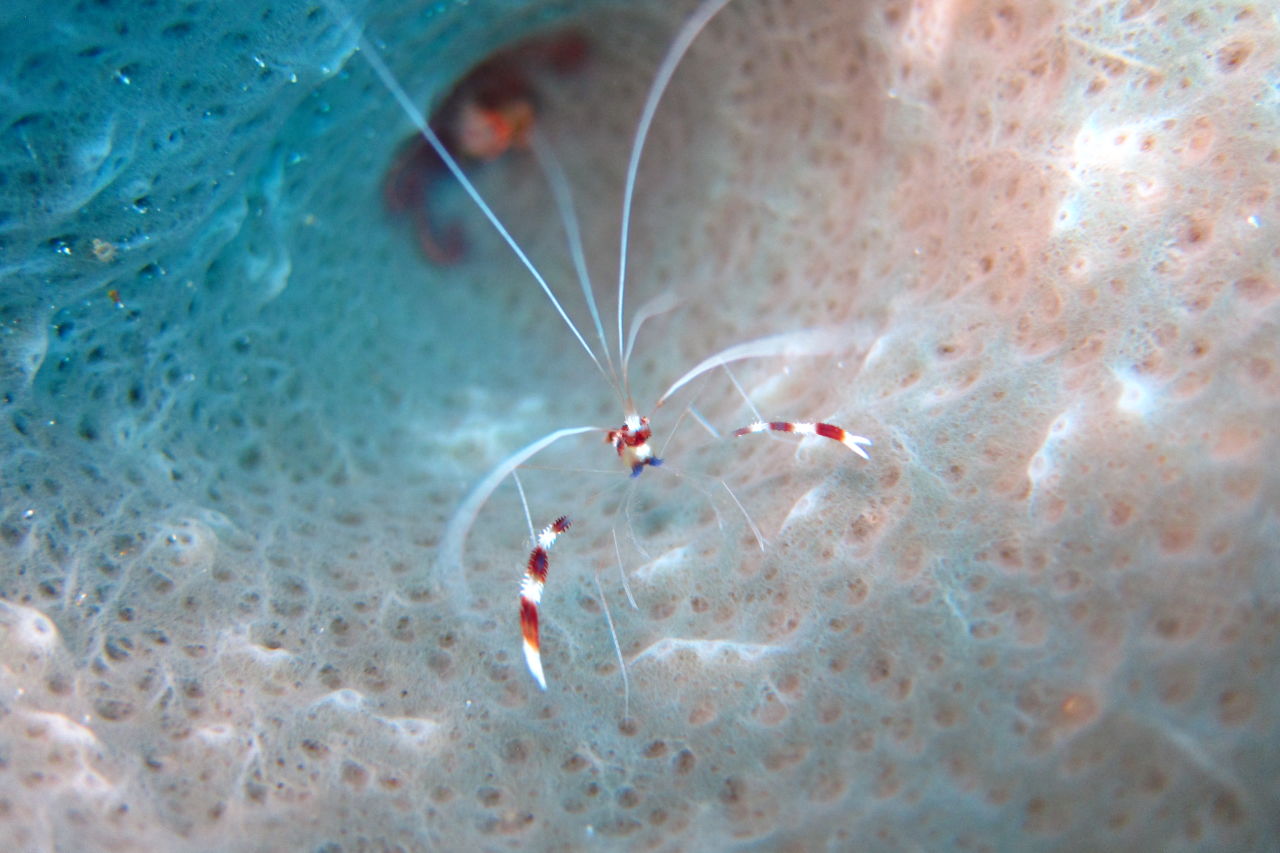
point(239, 411)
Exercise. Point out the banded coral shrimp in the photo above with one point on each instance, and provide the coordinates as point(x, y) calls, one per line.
point(632, 441)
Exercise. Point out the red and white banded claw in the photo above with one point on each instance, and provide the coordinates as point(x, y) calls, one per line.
point(831, 431)
point(535, 577)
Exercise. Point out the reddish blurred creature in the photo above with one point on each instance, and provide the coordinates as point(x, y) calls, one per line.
point(489, 112)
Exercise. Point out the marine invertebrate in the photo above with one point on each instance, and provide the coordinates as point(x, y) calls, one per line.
point(1045, 617)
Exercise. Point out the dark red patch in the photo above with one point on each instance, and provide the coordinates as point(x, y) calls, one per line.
point(538, 564)
point(560, 525)
point(529, 621)
point(781, 426)
point(829, 431)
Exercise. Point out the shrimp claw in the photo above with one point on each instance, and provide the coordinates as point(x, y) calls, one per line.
point(849, 440)
point(535, 576)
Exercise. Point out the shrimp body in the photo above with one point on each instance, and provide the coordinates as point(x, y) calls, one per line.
point(489, 112)
point(631, 440)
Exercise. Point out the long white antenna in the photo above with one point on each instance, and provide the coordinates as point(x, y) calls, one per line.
point(660, 304)
point(562, 194)
point(617, 650)
point(679, 46)
point(415, 115)
point(524, 502)
point(804, 342)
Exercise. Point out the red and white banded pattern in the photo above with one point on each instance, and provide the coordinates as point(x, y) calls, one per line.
point(535, 576)
point(632, 443)
point(849, 440)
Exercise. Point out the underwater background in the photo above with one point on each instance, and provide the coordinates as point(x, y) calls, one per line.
point(239, 410)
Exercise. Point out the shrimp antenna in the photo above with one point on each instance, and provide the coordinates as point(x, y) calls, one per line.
point(801, 343)
point(617, 650)
point(544, 153)
point(660, 304)
point(679, 47)
point(415, 115)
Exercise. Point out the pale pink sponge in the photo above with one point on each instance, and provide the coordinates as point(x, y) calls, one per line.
point(989, 292)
